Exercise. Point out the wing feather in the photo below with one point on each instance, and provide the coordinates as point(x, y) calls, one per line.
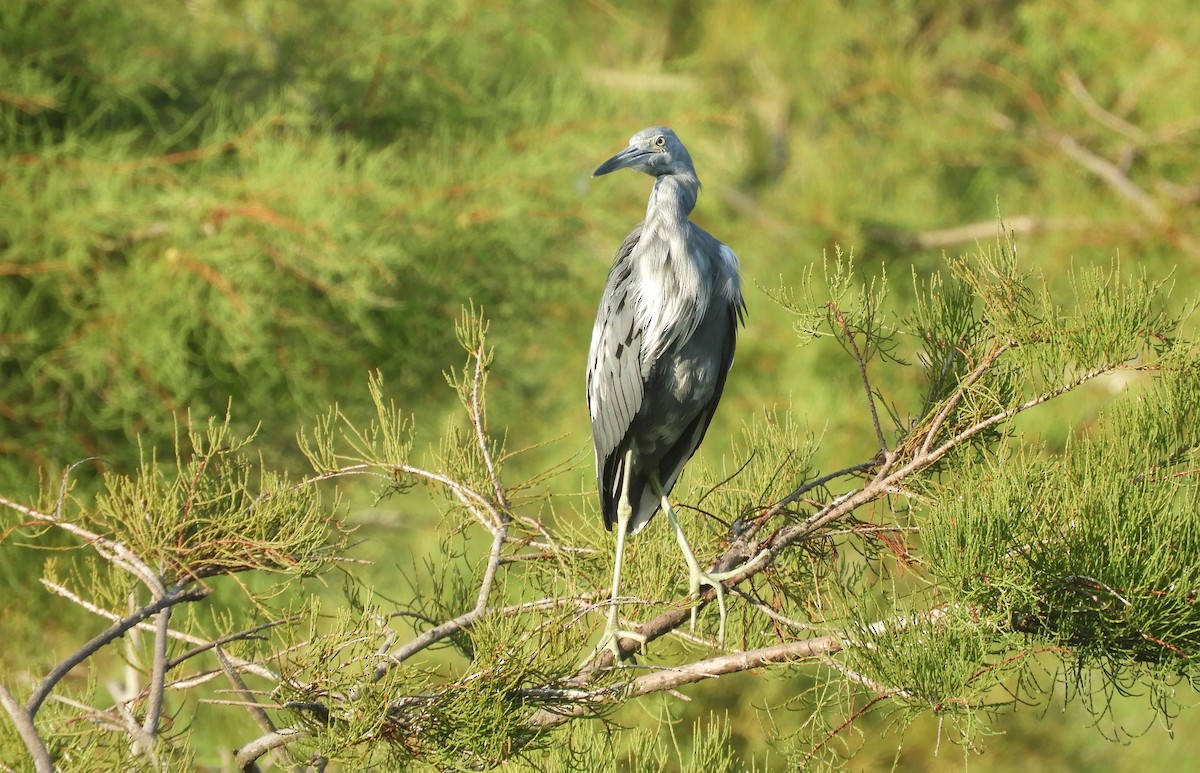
point(615, 385)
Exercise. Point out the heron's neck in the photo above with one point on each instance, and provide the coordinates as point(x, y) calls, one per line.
point(673, 197)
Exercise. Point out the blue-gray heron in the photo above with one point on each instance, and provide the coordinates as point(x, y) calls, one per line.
point(661, 348)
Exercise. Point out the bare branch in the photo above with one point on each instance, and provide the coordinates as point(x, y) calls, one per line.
point(465, 494)
point(802, 490)
point(111, 550)
point(247, 756)
point(961, 390)
point(493, 565)
point(461, 623)
point(888, 477)
point(201, 644)
point(25, 728)
point(1111, 174)
point(251, 704)
point(113, 632)
point(678, 676)
point(479, 419)
point(158, 674)
point(673, 678)
point(920, 461)
point(771, 613)
point(970, 233)
point(1093, 108)
point(849, 721)
point(205, 646)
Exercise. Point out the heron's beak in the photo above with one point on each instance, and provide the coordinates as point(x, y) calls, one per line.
point(623, 160)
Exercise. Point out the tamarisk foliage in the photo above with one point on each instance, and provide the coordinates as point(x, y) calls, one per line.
point(960, 567)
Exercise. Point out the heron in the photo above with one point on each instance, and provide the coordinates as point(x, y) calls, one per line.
point(661, 348)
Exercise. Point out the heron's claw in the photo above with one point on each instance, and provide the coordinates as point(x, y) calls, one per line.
point(697, 578)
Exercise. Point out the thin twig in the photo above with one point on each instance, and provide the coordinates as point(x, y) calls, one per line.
point(984, 364)
point(867, 682)
point(112, 551)
point(479, 419)
point(849, 721)
point(801, 491)
point(252, 706)
point(205, 646)
point(464, 621)
point(465, 494)
point(862, 370)
point(1099, 114)
point(771, 613)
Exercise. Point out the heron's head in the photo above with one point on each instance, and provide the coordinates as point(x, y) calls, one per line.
point(655, 151)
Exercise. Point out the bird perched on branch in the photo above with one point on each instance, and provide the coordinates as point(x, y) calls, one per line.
point(661, 347)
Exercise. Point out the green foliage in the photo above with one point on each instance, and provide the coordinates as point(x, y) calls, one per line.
point(1083, 550)
point(261, 201)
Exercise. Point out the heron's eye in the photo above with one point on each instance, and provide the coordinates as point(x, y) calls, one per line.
point(660, 141)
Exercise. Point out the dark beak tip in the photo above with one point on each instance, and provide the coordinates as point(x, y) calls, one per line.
point(623, 160)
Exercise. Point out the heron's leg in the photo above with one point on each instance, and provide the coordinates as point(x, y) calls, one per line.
point(611, 638)
point(697, 576)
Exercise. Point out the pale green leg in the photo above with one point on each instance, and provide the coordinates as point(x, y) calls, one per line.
point(697, 576)
point(611, 638)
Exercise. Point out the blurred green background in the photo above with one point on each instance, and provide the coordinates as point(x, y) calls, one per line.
point(244, 205)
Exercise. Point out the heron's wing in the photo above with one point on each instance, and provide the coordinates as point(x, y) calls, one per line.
point(720, 326)
point(614, 379)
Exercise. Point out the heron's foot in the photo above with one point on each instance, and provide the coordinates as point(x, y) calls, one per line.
point(698, 578)
point(611, 640)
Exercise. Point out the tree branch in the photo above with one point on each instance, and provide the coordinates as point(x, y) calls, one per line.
point(205, 646)
point(247, 757)
point(1111, 174)
point(113, 632)
point(461, 623)
point(201, 644)
point(972, 232)
point(111, 550)
point(678, 676)
point(984, 364)
point(25, 728)
point(887, 478)
point(465, 495)
point(158, 674)
point(1099, 114)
